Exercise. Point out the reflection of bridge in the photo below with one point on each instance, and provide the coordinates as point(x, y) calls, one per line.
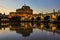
point(25, 28)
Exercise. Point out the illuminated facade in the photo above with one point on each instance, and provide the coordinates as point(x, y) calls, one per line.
point(22, 12)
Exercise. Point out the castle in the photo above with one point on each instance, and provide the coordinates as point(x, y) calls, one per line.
point(26, 13)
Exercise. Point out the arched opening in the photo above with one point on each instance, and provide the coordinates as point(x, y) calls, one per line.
point(58, 18)
point(38, 18)
point(46, 17)
point(32, 18)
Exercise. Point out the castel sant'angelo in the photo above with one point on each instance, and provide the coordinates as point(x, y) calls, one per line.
point(26, 13)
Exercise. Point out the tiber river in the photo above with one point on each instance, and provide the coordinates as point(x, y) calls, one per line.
point(29, 31)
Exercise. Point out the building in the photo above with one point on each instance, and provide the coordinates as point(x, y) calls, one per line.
point(25, 11)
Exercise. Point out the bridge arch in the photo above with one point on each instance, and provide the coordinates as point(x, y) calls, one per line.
point(58, 18)
point(32, 18)
point(38, 18)
point(47, 17)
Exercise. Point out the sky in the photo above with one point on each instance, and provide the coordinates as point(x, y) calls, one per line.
point(38, 6)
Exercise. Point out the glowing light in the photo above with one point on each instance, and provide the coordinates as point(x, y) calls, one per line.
point(53, 28)
point(53, 16)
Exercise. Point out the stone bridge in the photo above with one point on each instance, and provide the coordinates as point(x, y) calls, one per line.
point(41, 17)
point(51, 17)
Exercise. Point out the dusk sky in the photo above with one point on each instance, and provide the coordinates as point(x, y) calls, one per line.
point(37, 5)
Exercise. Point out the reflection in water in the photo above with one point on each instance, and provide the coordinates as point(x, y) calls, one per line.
point(25, 32)
point(26, 28)
point(58, 26)
point(3, 25)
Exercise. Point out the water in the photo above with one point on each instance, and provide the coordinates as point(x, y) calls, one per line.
point(29, 31)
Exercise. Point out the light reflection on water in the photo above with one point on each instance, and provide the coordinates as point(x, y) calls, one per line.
point(29, 31)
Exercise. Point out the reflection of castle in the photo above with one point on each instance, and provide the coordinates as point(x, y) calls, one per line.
point(22, 30)
point(25, 32)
